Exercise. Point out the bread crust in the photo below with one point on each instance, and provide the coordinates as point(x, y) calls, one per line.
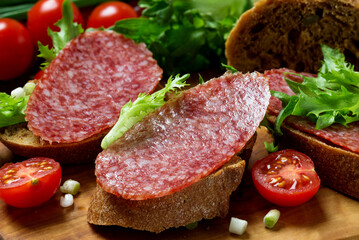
point(206, 199)
point(337, 168)
point(21, 141)
point(288, 33)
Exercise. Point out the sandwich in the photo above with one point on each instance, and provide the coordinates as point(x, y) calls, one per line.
point(285, 38)
point(180, 163)
point(80, 95)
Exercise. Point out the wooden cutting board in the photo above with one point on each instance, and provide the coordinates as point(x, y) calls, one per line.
point(329, 215)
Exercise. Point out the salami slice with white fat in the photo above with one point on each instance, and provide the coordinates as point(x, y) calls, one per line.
point(186, 139)
point(337, 134)
point(83, 89)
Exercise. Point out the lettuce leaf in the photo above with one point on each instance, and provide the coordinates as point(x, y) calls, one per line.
point(68, 31)
point(331, 97)
point(184, 35)
point(132, 112)
point(12, 110)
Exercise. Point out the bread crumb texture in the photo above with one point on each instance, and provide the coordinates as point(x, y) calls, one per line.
point(288, 33)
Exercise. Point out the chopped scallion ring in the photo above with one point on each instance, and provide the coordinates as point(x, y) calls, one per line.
point(67, 200)
point(29, 88)
point(70, 186)
point(238, 226)
point(18, 93)
point(271, 218)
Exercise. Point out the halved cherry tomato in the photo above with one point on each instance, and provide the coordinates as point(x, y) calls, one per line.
point(286, 178)
point(29, 183)
point(106, 14)
point(16, 49)
point(43, 15)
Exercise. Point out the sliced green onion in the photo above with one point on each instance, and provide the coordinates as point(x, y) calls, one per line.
point(18, 93)
point(70, 186)
point(238, 226)
point(29, 88)
point(67, 200)
point(271, 218)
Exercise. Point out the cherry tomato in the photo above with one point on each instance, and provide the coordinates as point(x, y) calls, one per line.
point(16, 49)
point(44, 14)
point(106, 14)
point(29, 183)
point(286, 178)
point(39, 74)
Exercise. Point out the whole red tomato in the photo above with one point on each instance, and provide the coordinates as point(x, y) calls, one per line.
point(43, 15)
point(106, 14)
point(16, 50)
point(29, 183)
point(286, 178)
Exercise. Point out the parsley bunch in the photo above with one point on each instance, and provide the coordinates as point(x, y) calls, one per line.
point(184, 35)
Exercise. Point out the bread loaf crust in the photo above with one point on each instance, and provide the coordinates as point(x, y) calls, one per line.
point(21, 141)
point(288, 33)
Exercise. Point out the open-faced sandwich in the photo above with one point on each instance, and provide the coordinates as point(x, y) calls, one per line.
point(178, 165)
point(80, 95)
point(294, 34)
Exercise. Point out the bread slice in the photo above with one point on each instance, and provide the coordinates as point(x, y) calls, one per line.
point(288, 33)
point(21, 141)
point(337, 168)
point(207, 198)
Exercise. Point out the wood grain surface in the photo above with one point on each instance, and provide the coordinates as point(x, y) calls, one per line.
point(329, 215)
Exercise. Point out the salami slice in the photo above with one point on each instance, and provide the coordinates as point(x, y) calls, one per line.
point(186, 139)
point(337, 134)
point(83, 89)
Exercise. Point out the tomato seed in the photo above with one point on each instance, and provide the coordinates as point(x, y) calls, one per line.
point(305, 177)
point(12, 170)
point(48, 168)
point(275, 180)
point(6, 176)
point(281, 184)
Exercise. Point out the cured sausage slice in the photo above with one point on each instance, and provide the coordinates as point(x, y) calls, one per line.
point(345, 137)
point(186, 139)
point(83, 89)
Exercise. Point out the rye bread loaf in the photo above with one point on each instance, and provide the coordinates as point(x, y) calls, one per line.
point(21, 141)
point(288, 33)
point(206, 199)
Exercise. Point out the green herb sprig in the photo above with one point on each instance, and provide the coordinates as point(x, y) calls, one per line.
point(331, 97)
point(132, 112)
point(184, 36)
point(68, 31)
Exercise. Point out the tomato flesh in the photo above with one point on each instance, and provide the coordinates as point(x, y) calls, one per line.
point(16, 49)
point(29, 183)
point(286, 178)
point(107, 13)
point(43, 15)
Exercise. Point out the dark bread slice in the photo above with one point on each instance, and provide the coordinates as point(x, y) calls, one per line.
point(288, 33)
point(337, 168)
point(21, 141)
point(206, 199)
